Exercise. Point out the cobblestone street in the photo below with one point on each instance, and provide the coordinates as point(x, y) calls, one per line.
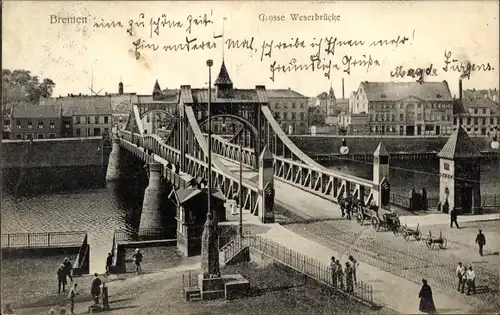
point(412, 260)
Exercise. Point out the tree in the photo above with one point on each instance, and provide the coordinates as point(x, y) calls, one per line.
point(20, 86)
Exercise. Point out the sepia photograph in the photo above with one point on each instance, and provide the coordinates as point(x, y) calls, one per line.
point(250, 157)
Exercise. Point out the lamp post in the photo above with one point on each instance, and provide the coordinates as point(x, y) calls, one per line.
point(209, 64)
point(240, 197)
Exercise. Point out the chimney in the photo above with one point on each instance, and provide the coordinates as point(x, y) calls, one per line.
point(343, 96)
point(460, 89)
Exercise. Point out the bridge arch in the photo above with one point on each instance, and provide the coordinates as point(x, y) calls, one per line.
point(247, 125)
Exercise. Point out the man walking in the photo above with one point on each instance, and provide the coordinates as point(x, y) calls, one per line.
point(349, 277)
point(471, 281)
point(137, 257)
point(71, 297)
point(480, 241)
point(68, 267)
point(461, 277)
point(109, 263)
point(61, 278)
point(453, 218)
point(340, 275)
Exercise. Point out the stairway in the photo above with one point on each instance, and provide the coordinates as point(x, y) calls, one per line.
point(233, 252)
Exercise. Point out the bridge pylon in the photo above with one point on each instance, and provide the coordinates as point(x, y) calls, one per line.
point(113, 170)
point(151, 212)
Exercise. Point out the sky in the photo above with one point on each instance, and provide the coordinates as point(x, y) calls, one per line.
point(80, 55)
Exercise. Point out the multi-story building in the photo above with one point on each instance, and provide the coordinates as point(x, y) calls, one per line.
point(353, 123)
point(83, 115)
point(317, 116)
point(290, 109)
point(477, 113)
point(405, 108)
point(491, 94)
point(30, 121)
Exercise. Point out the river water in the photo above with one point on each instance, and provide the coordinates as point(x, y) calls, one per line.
point(118, 205)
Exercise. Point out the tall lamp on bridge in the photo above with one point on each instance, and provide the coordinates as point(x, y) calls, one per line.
point(209, 209)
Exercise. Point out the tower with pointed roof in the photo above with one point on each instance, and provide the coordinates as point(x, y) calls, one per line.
point(460, 174)
point(223, 83)
point(381, 194)
point(157, 91)
point(331, 102)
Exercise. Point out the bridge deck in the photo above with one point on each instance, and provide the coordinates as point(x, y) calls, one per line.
point(292, 196)
point(101, 243)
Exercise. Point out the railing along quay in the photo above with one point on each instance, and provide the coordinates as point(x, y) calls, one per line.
point(299, 262)
point(43, 240)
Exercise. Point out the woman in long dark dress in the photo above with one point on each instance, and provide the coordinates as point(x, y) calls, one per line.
point(426, 300)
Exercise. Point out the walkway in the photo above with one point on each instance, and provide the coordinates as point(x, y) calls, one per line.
point(101, 243)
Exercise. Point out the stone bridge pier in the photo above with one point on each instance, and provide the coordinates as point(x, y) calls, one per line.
point(151, 212)
point(113, 170)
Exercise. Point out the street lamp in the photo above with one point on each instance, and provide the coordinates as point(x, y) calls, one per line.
point(209, 64)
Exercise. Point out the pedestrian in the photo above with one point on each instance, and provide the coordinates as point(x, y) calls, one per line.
point(426, 300)
point(354, 264)
point(69, 268)
point(109, 263)
point(61, 278)
point(177, 168)
point(461, 277)
point(340, 275)
point(480, 241)
point(333, 268)
point(52, 311)
point(137, 257)
point(453, 218)
point(71, 297)
point(7, 309)
point(471, 281)
point(95, 288)
point(348, 277)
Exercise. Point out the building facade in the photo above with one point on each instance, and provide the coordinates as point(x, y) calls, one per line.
point(405, 108)
point(290, 110)
point(317, 116)
point(477, 114)
point(29, 121)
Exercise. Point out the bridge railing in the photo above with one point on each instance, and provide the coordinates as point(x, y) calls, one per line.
point(196, 167)
point(43, 240)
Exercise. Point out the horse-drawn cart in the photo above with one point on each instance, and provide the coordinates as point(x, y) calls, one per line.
point(440, 241)
point(388, 220)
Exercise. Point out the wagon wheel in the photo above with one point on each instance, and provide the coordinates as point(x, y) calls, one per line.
point(359, 218)
point(428, 242)
point(376, 223)
point(418, 235)
point(406, 235)
point(444, 243)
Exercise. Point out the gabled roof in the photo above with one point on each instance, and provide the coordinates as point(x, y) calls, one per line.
point(284, 93)
point(396, 91)
point(200, 96)
point(185, 194)
point(223, 77)
point(459, 145)
point(36, 111)
point(82, 105)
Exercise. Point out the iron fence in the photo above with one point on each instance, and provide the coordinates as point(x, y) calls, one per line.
point(43, 240)
point(490, 201)
point(142, 235)
point(487, 201)
point(400, 200)
point(189, 280)
point(299, 262)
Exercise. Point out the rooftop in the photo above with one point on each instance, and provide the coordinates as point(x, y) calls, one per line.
point(396, 91)
point(82, 105)
point(459, 145)
point(36, 111)
point(284, 93)
point(223, 77)
point(200, 96)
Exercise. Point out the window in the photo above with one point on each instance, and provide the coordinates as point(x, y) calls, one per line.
point(6, 122)
point(455, 121)
point(293, 116)
point(383, 96)
point(96, 119)
point(419, 105)
point(82, 119)
point(40, 136)
point(53, 125)
point(401, 117)
point(301, 116)
point(29, 136)
point(30, 125)
point(18, 124)
point(19, 136)
point(52, 136)
point(475, 110)
point(277, 105)
point(301, 105)
point(484, 121)
point(461, 121)
point(446, 166)
point(468, 121)
point(78, 132)
point(40, 125)
point(88, 120)
point(293, 105)
point(106, 119)
point(476, 121)
point(492, 121)
point(419, 116)
point(97, 131)
point(438, 95)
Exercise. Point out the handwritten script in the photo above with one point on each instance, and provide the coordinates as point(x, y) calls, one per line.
point(325, 55)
